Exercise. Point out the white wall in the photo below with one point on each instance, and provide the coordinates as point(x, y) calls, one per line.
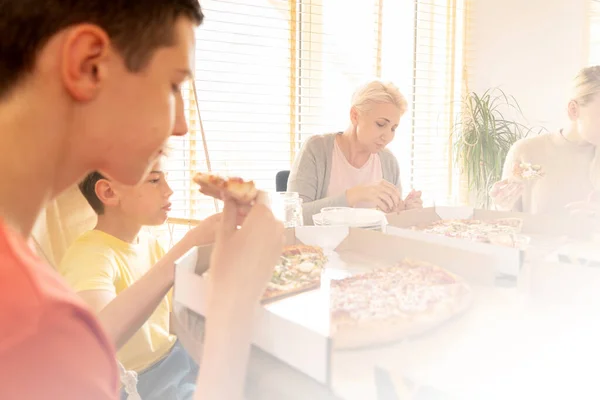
point(531, 49)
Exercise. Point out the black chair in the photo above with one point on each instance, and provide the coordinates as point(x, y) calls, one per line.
point(281, 180)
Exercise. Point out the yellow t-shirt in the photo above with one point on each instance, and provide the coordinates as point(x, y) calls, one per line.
point(99, 261)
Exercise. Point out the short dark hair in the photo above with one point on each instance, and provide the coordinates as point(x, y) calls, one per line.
point(136, 28)
point(88, 189)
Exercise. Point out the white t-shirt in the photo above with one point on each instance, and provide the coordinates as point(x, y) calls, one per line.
point(566, 168)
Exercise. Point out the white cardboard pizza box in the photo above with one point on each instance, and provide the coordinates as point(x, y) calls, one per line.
point(555, 284)
point(505, 348)
point(507, 260)
point(296, 330)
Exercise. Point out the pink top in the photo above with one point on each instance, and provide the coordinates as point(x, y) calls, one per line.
point(51, 344)
point(345, 176)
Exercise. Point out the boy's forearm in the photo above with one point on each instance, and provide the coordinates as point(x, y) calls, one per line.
point(227, 344)
point(124, 315)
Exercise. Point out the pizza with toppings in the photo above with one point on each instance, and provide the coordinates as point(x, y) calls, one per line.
point(527, 171)
point(483, 231)
point(299, 270)
point(393, 303)
point(214, 185)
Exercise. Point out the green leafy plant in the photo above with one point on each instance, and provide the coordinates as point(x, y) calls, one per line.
point(482, 137)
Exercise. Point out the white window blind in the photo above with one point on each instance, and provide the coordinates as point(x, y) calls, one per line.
point(339, 48)
point(243, 60)
point(437, 73)
point(270, 73)
point(594, 20)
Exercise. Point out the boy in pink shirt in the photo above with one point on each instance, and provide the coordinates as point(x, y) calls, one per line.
point(94, 85)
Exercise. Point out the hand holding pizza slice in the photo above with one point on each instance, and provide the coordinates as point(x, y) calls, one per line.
point(523, 171)
point(243, 192)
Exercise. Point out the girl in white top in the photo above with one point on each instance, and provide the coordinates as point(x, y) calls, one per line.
point(568, 159)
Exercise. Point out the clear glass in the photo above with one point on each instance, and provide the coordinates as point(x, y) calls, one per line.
point(287, 207)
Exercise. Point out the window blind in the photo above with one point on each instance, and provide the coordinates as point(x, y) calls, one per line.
point(438, 76)
point(243, 58)
point(339, 47)
point(594, 33)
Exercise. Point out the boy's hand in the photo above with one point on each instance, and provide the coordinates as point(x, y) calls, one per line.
point(205, 232)
point(243, 259)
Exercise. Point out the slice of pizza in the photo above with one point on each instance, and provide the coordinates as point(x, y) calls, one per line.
point(394, 303)
point(213, 185)
point(299, 270)
point(527, 171)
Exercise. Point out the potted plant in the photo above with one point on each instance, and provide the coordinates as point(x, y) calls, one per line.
point(482, 137)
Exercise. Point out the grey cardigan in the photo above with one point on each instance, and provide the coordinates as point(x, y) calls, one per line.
point(311, 171)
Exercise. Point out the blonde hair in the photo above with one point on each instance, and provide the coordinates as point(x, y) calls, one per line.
point(377, 92)
point(586, 86)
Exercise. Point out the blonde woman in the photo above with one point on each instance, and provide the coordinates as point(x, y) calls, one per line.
point(568, 159)
point(353, 168)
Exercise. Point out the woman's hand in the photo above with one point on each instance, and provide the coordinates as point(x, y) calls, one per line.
point(413, 200)
point(589, 207)
point(382, 194)
point(506, 193)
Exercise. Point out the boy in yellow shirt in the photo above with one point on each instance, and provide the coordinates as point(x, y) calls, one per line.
point(107, 260)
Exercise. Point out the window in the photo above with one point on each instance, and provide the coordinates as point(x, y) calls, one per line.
point(438, 75)
point(338, 49)
point(428, 64)
point(271, 73)
point(243, 82)
point(594, 50)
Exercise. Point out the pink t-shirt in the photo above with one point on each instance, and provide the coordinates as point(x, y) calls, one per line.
point(51, 344)
point(345, 176)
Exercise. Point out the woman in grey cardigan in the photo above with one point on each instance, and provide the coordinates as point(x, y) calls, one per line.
point(353, 168)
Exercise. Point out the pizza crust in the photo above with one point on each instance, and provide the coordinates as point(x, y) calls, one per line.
point(213, 185)
point(273, 293)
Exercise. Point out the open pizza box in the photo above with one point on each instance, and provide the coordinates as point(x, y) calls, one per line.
point(296, 330)
point(501, 350)
point(543, 232)
point(531, 342)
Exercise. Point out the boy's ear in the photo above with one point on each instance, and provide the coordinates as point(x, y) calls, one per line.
point(106, 193)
